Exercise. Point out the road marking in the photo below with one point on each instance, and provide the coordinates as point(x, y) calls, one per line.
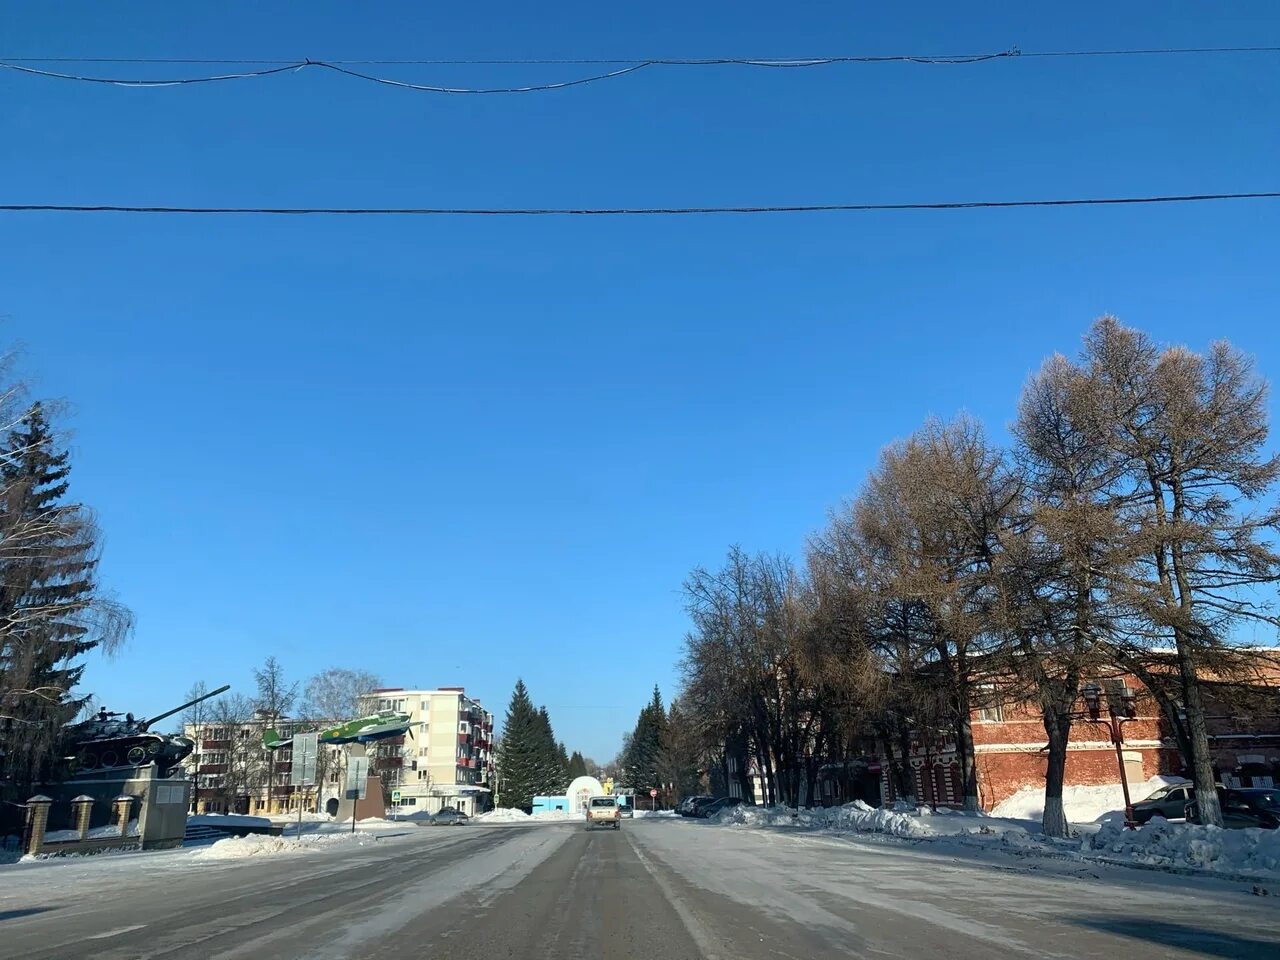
point(116, 933)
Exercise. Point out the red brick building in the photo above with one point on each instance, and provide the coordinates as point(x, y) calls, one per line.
point(1010, 746)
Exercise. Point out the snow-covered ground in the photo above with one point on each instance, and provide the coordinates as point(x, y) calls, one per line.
point(507, 815)
point(1160, 844)
point(259, 845)
point(1082, 804)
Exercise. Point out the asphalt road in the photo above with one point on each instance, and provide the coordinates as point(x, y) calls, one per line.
point(658, 889)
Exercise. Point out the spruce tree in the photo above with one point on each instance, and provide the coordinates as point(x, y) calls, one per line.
point(521, 753)
point(644, 746)
point(50, 611)
point(552, 771)
point(577, 767)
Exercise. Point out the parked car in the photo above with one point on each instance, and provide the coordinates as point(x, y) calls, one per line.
point(685, 807)
point(449, 817)
point(709, 810)
point(625, 810)
point(603, 812)
point(1246, 807)
point(1169, 802)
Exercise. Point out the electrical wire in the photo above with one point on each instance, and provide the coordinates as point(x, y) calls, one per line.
point(118, 82)
point(343, 67)
point(657, 61)
point(481, 90)
point(625, 211)
point(625, 66)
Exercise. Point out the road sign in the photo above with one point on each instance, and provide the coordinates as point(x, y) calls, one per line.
point(302, 772)
point(395, 796)
point(357, 777)
point(653, 793)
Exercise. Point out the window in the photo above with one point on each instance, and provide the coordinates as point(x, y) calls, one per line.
point(992, 710)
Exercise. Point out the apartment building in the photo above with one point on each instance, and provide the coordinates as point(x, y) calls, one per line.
point(232, 772)
point(446, 757)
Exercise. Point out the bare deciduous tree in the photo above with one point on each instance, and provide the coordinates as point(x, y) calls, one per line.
point(1190, 431)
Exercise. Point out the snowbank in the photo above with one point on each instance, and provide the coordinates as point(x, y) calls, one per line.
point(1164, 844)
point(852, 817)
point(1082, 804)
point(259, 845)
point(504, 815)
point(1159, 844)
point(866, 819)
point(654, 813)
point(233, 820)
point(308, 816)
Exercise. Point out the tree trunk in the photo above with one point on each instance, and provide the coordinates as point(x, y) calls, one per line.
point(904, 783)
point(1207, 804)
point(1197, 731)
point(1057, 724)
point(964, 747)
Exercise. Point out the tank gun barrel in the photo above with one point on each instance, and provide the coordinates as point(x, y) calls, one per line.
point(190, 703)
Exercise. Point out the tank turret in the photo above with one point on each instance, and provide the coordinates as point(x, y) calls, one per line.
point(107, 742)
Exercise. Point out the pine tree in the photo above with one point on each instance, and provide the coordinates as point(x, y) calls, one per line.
point(51, 613)
point(577, 767)
point(521, 752)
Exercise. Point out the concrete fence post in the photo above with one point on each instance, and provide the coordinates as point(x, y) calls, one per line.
point(124, 806)
point(83, 806)
point(37, 822)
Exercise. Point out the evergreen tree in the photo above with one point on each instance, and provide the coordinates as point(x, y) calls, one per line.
point(521, 756)
point(51, 613)
point(643, 748)
point(577, 767)
point(551, 770)
point(562, 758)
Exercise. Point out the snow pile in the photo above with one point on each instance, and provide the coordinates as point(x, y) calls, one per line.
point(655, 813)
point(1082, 804)
point(308, 816)
point(232, 820)
point(852, 817)
point(511, 815)
point(504, 815)
point(746, 815)
point(259, 844)
point(1165, 844)
point(866, 819)
point(556, 816)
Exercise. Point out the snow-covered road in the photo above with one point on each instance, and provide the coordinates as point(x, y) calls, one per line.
point(658, 888)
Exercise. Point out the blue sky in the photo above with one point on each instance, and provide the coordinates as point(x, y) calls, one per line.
point(457, 451)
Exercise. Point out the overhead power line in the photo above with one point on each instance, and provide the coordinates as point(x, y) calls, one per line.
point(623, 211)
point(624, 67)
point(663, 61)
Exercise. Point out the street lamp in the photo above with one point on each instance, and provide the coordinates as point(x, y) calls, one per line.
point(1115, 721)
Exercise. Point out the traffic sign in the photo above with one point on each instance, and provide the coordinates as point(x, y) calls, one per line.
point(653, 793)
point(395, 796)
point(302, 771)
point(357, 777)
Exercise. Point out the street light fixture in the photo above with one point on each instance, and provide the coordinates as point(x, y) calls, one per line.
point(1115, 721)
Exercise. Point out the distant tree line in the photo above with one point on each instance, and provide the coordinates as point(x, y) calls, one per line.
point(1129, 527)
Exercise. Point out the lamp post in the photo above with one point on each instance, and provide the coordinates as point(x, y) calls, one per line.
point(1115, 721)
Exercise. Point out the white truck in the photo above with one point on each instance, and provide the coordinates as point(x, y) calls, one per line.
point(603, 811)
